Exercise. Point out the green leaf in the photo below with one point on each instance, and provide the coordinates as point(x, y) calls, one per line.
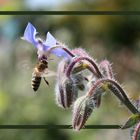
point(132, 120)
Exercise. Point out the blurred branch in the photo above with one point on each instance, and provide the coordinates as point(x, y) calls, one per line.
point(70, 12)
point(58, 127)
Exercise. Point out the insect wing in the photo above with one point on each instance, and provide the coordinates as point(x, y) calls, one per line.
point(48, 73)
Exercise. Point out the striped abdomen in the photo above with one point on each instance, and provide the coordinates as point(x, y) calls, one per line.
point(35, 82)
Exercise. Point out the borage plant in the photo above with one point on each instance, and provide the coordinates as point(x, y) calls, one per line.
point(71, 79)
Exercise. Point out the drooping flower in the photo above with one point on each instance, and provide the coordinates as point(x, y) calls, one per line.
point(49, 46)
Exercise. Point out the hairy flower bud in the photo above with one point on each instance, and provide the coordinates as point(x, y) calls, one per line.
point(82, 109)
point(66, 92)
point(97, 93)
point(66, 89)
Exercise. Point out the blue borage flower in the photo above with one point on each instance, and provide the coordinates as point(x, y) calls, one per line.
point(49, 46)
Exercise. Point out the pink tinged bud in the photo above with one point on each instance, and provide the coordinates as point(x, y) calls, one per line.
point(97, 100)
point(59, 95)
point(66, 89)
point(66, 92)
point(106, 69)
point(96, 94)
point(82, 109)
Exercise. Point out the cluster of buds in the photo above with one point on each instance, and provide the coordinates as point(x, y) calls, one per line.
point(72, 78)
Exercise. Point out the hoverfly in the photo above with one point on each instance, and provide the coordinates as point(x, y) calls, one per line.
point(39, 71)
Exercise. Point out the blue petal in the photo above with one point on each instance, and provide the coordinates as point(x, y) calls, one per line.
point(50, 40)
point(59, 52)
point(29, 34)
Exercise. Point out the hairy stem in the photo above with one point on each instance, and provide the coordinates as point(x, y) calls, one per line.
point(119, 92)
point(95, 70)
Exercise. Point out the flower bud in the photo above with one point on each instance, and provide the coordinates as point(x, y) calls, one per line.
point(97, 93)
point(66, 89)
point(66, 92)
point(82, 109)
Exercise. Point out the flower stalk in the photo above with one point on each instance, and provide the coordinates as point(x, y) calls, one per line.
point(95, 70)
point(119, 92)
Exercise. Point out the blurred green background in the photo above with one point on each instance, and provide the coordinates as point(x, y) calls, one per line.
point(116, 38)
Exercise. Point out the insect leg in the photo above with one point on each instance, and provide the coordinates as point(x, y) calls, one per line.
point(46, 81)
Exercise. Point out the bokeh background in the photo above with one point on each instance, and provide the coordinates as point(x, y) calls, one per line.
point(116, 38)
